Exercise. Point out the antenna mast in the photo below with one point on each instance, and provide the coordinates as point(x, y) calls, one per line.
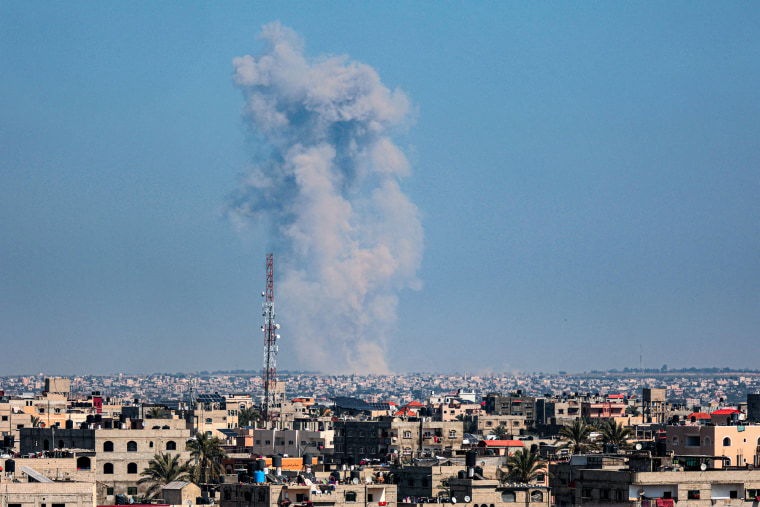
point(270, 343)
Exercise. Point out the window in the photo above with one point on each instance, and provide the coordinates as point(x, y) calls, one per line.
point(290, 442)
point(83, 463)
point(536, 496)
point(424, 483)
point(508, 496)
point(171, 445)
point(108, 468)
point(150, 445)
point(5, 418)
point(727, 442)
point(692, 494)
point(733, 494)
point(692, 441)
point(209, 420)
point(675, 441)
point(107, 446)
point(132, 491)
point(350, 496)
point(707, 442)
point(267, 442)
point(752, 494)
point(131, 446)
point(370, 497)
point(109, 491)
point(132, 468)
point(407, 434)
point(452, 433)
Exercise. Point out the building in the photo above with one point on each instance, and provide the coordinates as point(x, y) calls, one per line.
point(358, 440)
point(729, 445)
point(283, 495)
point(514, 404)
point(654, 405)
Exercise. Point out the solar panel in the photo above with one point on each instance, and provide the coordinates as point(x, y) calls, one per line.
point(34, 474)
point(210, 398)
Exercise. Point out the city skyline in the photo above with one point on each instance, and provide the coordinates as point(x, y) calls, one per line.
point(579, 183)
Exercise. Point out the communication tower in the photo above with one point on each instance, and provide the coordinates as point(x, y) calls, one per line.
point(270, 344)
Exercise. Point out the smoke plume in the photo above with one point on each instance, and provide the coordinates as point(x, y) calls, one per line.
point(348, 238)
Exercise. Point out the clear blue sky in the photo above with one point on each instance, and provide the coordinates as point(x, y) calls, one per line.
point(586, 174)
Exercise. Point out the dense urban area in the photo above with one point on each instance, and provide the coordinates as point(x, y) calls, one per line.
point(644, 438)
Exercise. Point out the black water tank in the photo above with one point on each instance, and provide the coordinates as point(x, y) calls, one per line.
point(90, 419)
point(355, 474)
point(242, 477)
point(470, 458)
point(69, 424)
point(261, 463)
point(277, 461)
point(251, 467)
point(10, 466)
point(308, 459)
point(479, 471)
point(461, 474)
point(98, 418)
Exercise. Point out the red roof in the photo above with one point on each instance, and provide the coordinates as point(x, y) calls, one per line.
point(501, 443)
point(415, 403)
point(405, 411)
point(726, 411)
point(698, 415)
point(616, 396)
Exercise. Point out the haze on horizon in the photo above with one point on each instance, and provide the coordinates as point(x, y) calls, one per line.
point(585, 178)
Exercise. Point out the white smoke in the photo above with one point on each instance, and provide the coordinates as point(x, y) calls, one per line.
point(348, 238)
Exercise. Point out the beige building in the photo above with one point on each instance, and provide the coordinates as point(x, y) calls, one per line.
point(278, 495)
point(294, 443)
point(123, 454)
point(475, 493)
point(55, 494)
point(737, 445)
point(513, 423)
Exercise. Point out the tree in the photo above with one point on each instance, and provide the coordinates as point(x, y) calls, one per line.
point(155, 413)
point(501, 432)
point(617, 434)
point(576, 437)
point(249, 416)
point(525, 466)
point(469, 426)
point(163, 469)
point(206, 451)
point(632, 410)
point(36, 422)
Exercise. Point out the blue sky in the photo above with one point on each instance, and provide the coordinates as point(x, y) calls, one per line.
point(586, 176)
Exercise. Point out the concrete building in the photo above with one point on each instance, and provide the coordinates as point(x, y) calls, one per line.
point(654, 405)
point(731, 445)
point(514, 404)
point(291, 442)
point(605, 481)
point(491, 493)
point(395, 437)
point(279, 495)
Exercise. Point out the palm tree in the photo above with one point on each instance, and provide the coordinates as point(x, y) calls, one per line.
point(207, 451)
point(501, 432)
point(249, 416)
point(576, 437)
point(525, 466)
point(155, 413)
point(617, 434)
point(163, 469)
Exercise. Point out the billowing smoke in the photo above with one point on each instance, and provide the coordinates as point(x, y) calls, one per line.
point(348, 239)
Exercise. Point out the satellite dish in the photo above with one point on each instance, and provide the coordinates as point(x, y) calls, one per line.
point(703, 466)
point(467, 498)
point(641, 492)
point(355, 480)
point(453, 500)
point(639, 446)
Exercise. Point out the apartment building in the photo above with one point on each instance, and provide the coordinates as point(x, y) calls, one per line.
point(280, 495)
point(729, 445)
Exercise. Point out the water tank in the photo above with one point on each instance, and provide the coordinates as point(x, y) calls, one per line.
point(277, 461)
point(471, 458)
point(461, 474)
point(10, 466)
point(90, 419)
point(259, 477)
point(251, 467)
point(308, 459)
point(98, 418)
point(69, 424)
point(355, 474)
point(479, 471)
point(261, 464)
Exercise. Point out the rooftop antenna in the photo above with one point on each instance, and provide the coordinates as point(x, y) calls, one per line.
point(270, 343)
